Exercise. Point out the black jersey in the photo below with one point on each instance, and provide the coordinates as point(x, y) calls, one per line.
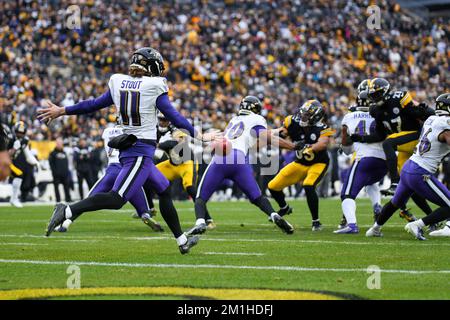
point(309, 135)
point(398, 113)
point(177, 152)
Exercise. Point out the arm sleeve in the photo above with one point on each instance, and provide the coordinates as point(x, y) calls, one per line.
point(163, 104)
point(91, 105)
point(422, 111)
point(378, 135)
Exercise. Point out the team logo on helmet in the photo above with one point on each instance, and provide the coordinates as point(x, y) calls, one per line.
point(250, 104)
point(310, 113)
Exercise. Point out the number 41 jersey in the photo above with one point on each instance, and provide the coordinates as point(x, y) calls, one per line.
point(429, 152)
point(135, 100)
point(239, 131)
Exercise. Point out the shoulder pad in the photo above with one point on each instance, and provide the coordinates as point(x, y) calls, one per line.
point(287, 121)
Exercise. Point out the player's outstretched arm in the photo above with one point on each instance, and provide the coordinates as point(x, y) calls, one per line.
point(268, 136)
point(52, 111)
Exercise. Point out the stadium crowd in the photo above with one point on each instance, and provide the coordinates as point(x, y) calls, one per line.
point(216, 52)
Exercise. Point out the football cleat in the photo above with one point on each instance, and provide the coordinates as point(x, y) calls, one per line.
point(58, 217)
point(414, 229)
point(316, 226)
point(152, 223)
point(153, 212)
point(283, 224)
point(210, 225)
point(343, 223)
point(389, 191)
point(374, 232)
point(191, 241)
point(60, 228)
point(198, 229)
point(408, 216)
point(444, 232)
point(351, 228)
point(285, 211)
point(16, 203)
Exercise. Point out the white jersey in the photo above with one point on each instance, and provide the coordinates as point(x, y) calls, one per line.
point(135, 99)
point(239, 131)
point(108, 134)
point(360, 122)
point(429, 152)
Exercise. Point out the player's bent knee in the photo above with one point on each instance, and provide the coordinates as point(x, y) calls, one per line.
point(117, 201)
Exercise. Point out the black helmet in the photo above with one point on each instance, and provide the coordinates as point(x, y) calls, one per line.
point(378, 89)
point(443, 104)
point(20, 127)
point(148, 60)
point(362, 102)
point(310, 113)
point(363, 86)
point(250, 104)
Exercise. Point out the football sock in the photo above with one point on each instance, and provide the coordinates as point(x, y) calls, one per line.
point(391, 160)
point(16, 184)
point(349, 209)
point(373, 191)
point(169, 213)
point(66, 224)
point(200, 208)
point(182, 239)
point(438, 215)
point(313, 201)
point(386, 213)
point(419, 223)
point(192, 193)
point(279, 197)
point(99, 201)
point(264, 204)
point(421, 203)
point(68, 213)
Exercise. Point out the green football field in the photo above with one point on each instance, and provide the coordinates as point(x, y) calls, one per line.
point(109, 255)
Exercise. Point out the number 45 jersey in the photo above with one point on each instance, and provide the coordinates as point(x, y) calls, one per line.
point(239, 131)
point(429, 152)
point(135, 100)
point(361, 123)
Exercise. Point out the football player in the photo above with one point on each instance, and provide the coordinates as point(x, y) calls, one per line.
point(243, 132)
point(368, 168)
point(138, 96)
point(398, 123)
point(311, 137)
point(5, 159)
point(106, 182)
point(418, 172)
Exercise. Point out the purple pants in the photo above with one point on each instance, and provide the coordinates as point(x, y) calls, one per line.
point(415, 179)
point(235, 168)
point(363, 172)
point(106, 183)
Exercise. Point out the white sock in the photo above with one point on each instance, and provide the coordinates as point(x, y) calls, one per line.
point(16, 184)
point(273, 215)
point(182, 239)
point(373, 191)
point(68, 213)
point(200, 221)
point(349, 209)
point(420, 223)
point(66, 224)
point(376, 226)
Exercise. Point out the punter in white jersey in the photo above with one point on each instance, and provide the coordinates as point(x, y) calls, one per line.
point(242, 132)
point(138, 96)
point(418, 173)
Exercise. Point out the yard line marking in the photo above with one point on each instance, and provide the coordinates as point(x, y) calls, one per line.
point(235, 253)
point(213, 266)
point(22, 244)
point(407, 243)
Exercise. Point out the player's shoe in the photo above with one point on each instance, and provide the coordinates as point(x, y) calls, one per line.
point(210, 225)
point(374, 232)
point(377, 211)
point(153, 212)
point(191, 241)
point(414, 229)
point(283, 224)
point(389, 191)
point(60, 228)
point(316, 226)
point(343, 223)
point(351, 228)
point(152, 223)
point(58, 217)
point(16, 203)
point(444, 232)
point(285, 211)
point(434, 226)
point(197, 229)
point(408, 216)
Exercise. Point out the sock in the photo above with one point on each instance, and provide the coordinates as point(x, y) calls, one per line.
point(66, 224)
point(68, 213)
point(391, 161)
point(373, 191)
point(376, 226)
point(169, 213)
point(200, 221)
point(273, 215)
point(419, 223)
point(313, 201)
point(387, 212)
point(16, 185)
point(192, 193)
point(279, 197)
point(181, 239)
point(263, 203)
point(99, 201)
point(422, 203)
point(438, 215)
point(349, 209)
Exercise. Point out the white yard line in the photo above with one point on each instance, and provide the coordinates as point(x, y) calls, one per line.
point(212, 266)
point(234, 253)
point(22, 244)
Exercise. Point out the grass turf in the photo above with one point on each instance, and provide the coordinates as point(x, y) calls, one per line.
point(244, 251)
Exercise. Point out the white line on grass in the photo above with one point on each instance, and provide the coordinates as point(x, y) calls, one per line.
point(22, 244)
point(212, 266)
point(235, 253)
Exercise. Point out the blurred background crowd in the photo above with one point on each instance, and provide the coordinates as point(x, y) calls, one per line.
point(284, 52)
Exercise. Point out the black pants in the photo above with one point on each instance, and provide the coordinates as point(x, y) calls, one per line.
point(65, 181)
point(85, 175)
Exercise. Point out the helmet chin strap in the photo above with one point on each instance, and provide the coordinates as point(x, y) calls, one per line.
point(245, 112)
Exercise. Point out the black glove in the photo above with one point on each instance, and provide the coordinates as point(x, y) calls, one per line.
point(299, 145)
point(122, 142)
point(356, 138)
